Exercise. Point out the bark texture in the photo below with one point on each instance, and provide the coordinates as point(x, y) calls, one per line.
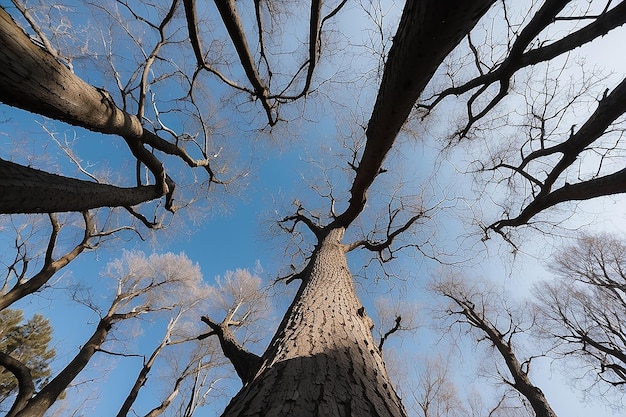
point(29, 190)
point(32, 79)
point(427, 33)
point(323, 360)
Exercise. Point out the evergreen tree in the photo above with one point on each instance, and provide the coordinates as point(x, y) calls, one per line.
point(27, 342)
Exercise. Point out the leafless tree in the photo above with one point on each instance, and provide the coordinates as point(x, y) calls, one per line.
point(323, 358)
point(582, 310)
point(490, 319)
point(143, 285)
point(562, 133)
point(39, 252)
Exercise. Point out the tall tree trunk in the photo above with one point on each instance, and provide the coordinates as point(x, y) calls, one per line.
point(323, 360)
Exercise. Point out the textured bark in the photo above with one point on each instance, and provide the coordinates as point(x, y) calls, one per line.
point(32, 79)
point(29, 190)
point(323, 360)
point(246, 363)
point(427, 33)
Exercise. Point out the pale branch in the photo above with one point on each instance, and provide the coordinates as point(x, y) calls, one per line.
point(246, 363)
point(391, 331)
point(159, 409)
point(518, 59)
point(420, 45)
point(24, 287)
point(33, 24)
point(147, 67)
point(25, 384)
point(142, 377)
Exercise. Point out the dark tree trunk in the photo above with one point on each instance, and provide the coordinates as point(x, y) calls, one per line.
point(42, 401)
point(323, 360)
point(32, 79)
point(28, 190)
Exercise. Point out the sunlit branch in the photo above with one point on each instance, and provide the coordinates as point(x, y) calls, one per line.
point(143, 83)
point(33, 24)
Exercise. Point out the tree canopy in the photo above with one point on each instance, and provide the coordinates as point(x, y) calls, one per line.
point(160, 113)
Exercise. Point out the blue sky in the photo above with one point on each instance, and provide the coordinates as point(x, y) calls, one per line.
point(235, 232)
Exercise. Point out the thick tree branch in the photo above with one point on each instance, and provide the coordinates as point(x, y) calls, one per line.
point(246, 363)
point(518, 59)
point(29, 190)
point(230, 17)
point(420, 45)
point(35, 81)
point(300, 217)
point(26, 386)
point(602, 186)
point(42, 401)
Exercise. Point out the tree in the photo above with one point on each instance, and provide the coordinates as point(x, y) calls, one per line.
point(323, 358)
point(24, 347)
point(474, 306)
point(581, 310)
point(143, 285)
